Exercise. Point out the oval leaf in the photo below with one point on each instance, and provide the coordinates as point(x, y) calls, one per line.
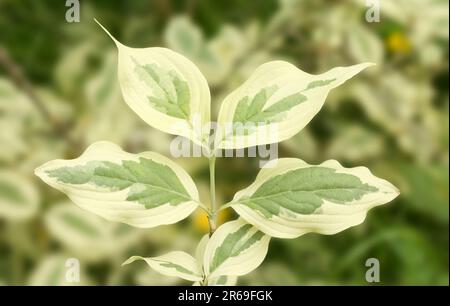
point(176, 263)
point(143, 190)
point(290, 198)
point(166, 90)
point(275, 103)
point(235, 248)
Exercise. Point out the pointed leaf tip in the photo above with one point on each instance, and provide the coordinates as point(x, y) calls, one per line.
point(118, 43)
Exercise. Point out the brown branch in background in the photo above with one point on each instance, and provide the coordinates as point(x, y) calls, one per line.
point(23, 84)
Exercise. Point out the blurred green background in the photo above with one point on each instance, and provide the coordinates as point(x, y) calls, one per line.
point(59, 93)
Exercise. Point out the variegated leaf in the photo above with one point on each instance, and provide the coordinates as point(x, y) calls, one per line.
point(290, 198)
point(143, 190)
point(166, 90)
point(19, 198)
point(235, 248)
point(275, 103)
point(223, 280)
point(175, 263)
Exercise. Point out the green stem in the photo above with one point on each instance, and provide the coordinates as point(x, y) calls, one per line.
point(212, 218)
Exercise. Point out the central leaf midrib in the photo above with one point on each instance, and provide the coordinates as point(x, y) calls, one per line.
point(148, 184)
point(293, 190)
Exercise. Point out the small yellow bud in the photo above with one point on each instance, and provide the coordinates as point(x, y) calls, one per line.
point(200, 219)
point(398, 42)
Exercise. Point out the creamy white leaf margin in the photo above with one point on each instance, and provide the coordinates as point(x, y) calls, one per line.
point(245, 262)
point(330, 218)
point(112, 205)
point(223, 280)
point(289, 80)
point(166, 264)
point(135, 93)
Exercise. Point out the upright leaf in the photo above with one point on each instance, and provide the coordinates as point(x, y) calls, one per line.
point(235, 248)
point(143, 190)
point(275, 103)
point(290, 198)
point(166, 90)
point(88, 237)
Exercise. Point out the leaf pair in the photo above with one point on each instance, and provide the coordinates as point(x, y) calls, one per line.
point(236, 248)
point(289, 197)
point(170, 93)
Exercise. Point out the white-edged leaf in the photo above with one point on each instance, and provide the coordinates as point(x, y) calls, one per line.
point(223, 280)
point(19, 199)
point(290, 198)
point(235, 248)
point(166, 90)
point(275, 103)
point(143, 190)
point(200, 250)
point(175, 263)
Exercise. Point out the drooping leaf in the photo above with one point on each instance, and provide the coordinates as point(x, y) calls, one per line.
point(142, 190)
point(235, 248)
point(175, 263)
point(290, 198)
point(275, 103)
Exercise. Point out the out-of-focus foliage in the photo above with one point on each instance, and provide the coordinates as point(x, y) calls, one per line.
point(392, 119)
